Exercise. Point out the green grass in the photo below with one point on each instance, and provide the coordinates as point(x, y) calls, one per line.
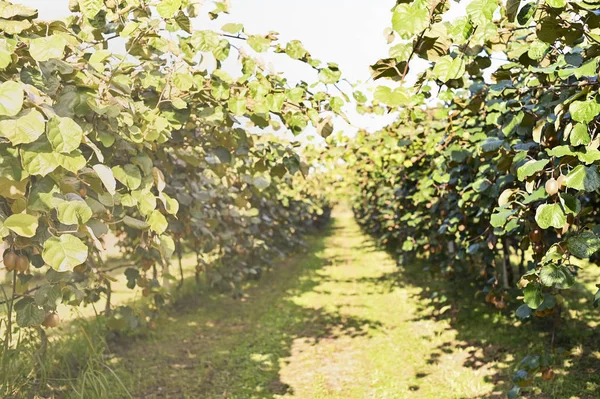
point(338, 320)
point(341, 321)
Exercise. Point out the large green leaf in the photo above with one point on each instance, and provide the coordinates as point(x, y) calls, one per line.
point(90, 8)
point(23, 129)
point(531, 167)
point(129, 175)
point(393, 98)
point(158, 223)
point(258, 43)
point(533, 295)
point(168, 8)
point(146, 201)
point(64, 252)
point(448, 68)
point(584, 244)
point(46, 48)
point(22, 224)
point(29, 314)
point(11, 98)
point(552, 275)
point(38, 158)
point(584, 111)
point(64, 134)
point(329, 75)
point(550, 215)
point(409, 19)
point(8, 10)
point(585, 178)
point(580, 135)
point(481, 11)
point(73, 211)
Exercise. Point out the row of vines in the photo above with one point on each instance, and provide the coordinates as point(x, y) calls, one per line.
point(154, 145)
point(490, 174)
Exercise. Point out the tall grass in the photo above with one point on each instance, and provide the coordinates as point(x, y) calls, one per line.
point(71, 364)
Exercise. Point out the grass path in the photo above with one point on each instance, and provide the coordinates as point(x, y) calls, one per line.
point(325, 324)
point(333, 322)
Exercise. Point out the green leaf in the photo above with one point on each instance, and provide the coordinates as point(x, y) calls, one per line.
point(14, 27)
point(11, 98)
point(584, 111)
point(41, 196)
point(129, 175)
point(499, 219)
point(329, 76)
point(75, 211)
point(584, 178)
point(48, 295)
point(22, 224)
point(106, 176)
point(408, 20)
point(481, 11)
point(584, 244)
point(556, 3)
point(260, 44)
point(171, 204)
point(237, 105)
point(523, 312)
point(25, 128)
point(512, 7)
point(135, 223)
point(530, 168)
point(73, 162)
point(158, 223)
point(46, 48)
point(548, 215)
point(580, 135)
point(232, 28)
point(168, 8)
point(8, 10)
point(448, 68)
point(295, 95)
point(533, 295)
point(64, 134)
point(570, 203)
point(146, 201)
point(295, 50)
point(28, 313)
point(556, 276)
point(90, 8)
point(526, 13)
point(205, 40)
point(560, 151)
point(64, 252)
point(167, 246)
point(392, 98)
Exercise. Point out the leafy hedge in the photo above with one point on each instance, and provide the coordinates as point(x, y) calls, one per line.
point(155, 146)
point(478, 168)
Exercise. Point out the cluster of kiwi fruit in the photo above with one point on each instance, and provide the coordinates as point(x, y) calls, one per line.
point(13, 261)
point(20, 263)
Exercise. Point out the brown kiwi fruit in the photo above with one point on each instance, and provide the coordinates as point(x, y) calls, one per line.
point(10, 261)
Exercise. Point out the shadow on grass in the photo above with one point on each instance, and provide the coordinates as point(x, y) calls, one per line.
point(496, 339)
point(214, 346)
